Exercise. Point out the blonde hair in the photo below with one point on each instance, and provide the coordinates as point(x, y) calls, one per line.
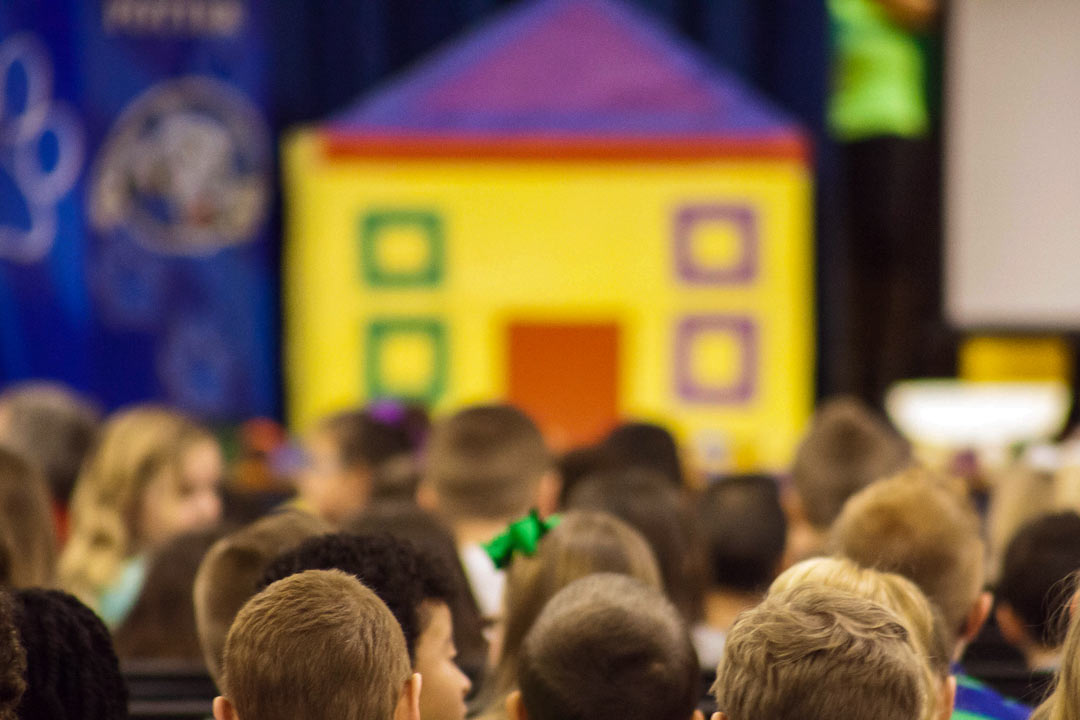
point(584, 543)
point(230, 571)
point(917, 525)
point(895, 592)
point(317, 645)
point(135, 446)
point(1063, 703)
point(27, 535)
point(817, 653)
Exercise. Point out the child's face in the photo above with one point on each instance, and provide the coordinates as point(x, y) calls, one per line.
point(333, 491)
point(176, 502)
point(444, 686)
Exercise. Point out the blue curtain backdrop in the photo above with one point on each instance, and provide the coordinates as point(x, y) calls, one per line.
point(104, 285)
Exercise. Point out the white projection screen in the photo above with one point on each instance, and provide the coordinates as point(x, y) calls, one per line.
point(1012, 164)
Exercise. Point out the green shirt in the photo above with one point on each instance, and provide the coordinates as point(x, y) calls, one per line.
point(879, 74)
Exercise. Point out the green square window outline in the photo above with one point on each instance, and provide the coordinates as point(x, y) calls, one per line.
point(379, 330)
point(374, 222)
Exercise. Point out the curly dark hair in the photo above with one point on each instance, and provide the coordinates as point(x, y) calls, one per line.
point(71, 668)
point(401, 575)
point(12, 660)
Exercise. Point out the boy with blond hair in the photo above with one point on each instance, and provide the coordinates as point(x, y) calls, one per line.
point(229, 575)
point(817, 653)
point(317, 645)
point(921, 526)
point(484, 467)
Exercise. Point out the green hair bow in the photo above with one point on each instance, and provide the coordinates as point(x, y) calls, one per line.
point(521, 536)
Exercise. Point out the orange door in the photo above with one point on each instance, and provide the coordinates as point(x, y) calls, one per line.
point(566, 376)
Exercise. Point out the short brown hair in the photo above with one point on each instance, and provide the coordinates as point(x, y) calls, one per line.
point(608, 646)
point(916, 525)
point(317, 645)
point(485, 461)
point(816, 653)
point(847, 448)
point(229, 574)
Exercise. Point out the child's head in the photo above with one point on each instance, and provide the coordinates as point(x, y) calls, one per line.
point(916, 525)
point(646, 446)
point(582, 544)
point(317, 645)
point(898, 594)
point(653, 506)
point(415, 588)
point(1063, 703)
point(230, 572)
point(744, 530)
point(607, 646)
point(406, 521)
point(154, 475)
point(27, 535)
point(12, 660)
point(1034, 586)
point(344, 451)
point(847, 448)
point(71, 669)
point(817, 653)
point(488, 462)
point(52, 427)
point(161, 624)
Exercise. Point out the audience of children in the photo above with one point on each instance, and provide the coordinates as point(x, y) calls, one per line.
point(161, 624)
point(12, 660)
point(651, 504)
point(606, 647)
point(1033, 591)
point(899, 595)
point(484, 467)
point(405, 520)
point(27, 536)
point(72, 672)
point(154, 475)
point(817, 653)
point(924, 527)
point(613, 608)
point(744, 532)
point(581, 544)
point(53, 429)
point(230, 572)
point(846, 448)
point(317, 645)
point(343, 455)
point(416, 589)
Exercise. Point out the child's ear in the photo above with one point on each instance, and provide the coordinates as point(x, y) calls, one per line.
point(547, 493)
point(1011, 626)
point(716, 715)
point(515, 709)
point(408, 707)
point(978, 614)
point(698, 715)
point(427, 498)
point(224, 710)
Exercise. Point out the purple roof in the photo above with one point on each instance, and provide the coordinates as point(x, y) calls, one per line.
point(554, 68)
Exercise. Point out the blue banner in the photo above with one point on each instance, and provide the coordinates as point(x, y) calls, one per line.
point(137, 258)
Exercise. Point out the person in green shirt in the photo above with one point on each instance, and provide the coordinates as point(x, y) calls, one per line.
point(879, 112)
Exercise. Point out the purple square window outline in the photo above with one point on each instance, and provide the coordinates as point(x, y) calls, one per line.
point(744, 330)
point(743, 218)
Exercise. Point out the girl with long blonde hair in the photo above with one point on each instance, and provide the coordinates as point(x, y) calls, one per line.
point(154, 475)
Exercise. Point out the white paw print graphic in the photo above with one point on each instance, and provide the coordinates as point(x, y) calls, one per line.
point(41, 146)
